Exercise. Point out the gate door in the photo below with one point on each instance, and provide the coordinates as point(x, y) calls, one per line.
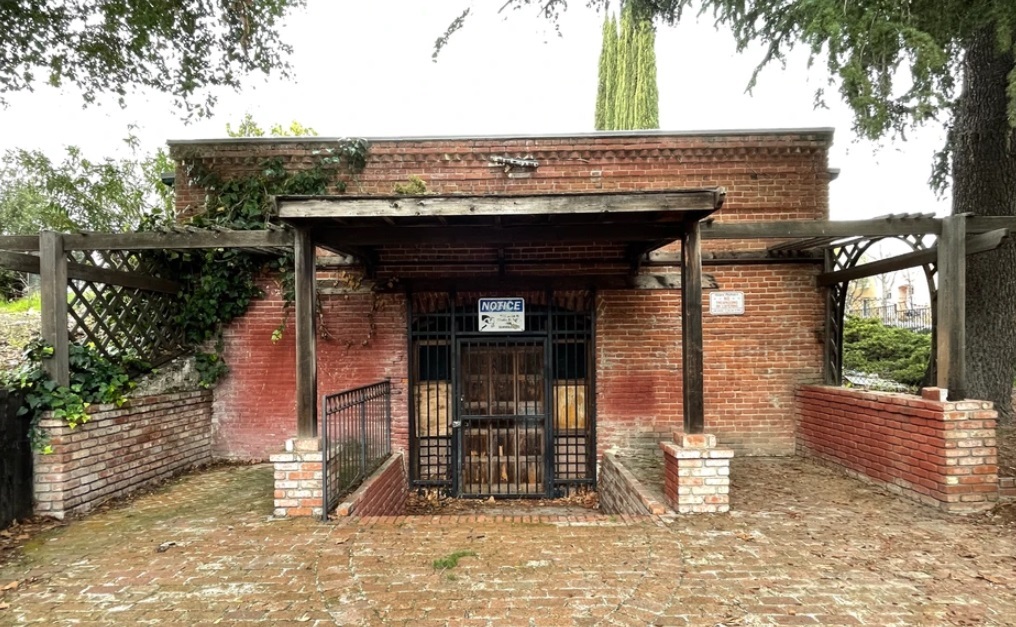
point(502, 425)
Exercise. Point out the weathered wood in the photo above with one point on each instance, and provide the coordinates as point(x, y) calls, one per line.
point(80, 272)
point(53, 293)
point(154, 240)
point(703, 200)
point(275, 238)
point(952, 289)
point(782, 229)
point(28, 243)
point(975, 244)
point(341, 239)
point(19, 262)
point(538, 282)
point(691, 330)
point(306, 335)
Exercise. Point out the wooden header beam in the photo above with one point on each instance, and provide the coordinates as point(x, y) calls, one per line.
point(154, 240)
point(295, 207)
point(30, 263)
point(976, 244)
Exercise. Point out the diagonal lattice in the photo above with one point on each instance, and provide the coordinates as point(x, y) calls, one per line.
point(123, 321)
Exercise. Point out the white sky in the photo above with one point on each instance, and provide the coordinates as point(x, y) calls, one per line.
point(364, 69)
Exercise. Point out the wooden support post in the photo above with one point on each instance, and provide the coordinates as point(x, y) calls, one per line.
point(691, 328)
point(306, 335)
point(53, 271)
point(952, 288)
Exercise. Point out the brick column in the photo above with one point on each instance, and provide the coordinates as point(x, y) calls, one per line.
point(697, 476)
point(299, 478)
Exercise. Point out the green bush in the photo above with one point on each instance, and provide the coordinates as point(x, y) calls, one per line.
point(893, 353)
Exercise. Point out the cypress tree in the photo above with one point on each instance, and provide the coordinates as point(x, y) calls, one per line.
point(627, 97)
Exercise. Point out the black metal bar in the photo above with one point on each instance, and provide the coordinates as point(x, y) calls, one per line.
point(356, 432)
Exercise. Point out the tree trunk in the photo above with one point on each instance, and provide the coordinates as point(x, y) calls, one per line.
point(984, 183)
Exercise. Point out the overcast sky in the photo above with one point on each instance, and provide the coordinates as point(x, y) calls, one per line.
point(364, 69)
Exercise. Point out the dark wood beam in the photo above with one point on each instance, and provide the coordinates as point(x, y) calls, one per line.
point(81, 272)
point(975, 244)
point(478, 236)
point(783, 229)
point(952, 288)
point(29, 243)
point(702, 200)
point(306, 335)
point(53, 293)
point(537, 282)
point(691, 330)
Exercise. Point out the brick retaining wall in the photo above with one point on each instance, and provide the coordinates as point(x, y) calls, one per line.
point(621, 493)
point(384, 493)
point(121, 449)
point(940, 453)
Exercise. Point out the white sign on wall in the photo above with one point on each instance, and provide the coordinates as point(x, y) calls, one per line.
point(500, 315)
point(726, 303)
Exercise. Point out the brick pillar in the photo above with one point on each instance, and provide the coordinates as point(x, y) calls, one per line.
point(299, 478)
point(697, 476)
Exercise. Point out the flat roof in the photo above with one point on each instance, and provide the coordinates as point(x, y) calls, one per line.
point(825, 130)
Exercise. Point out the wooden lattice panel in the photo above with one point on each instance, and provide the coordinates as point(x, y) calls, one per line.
point(123, 321)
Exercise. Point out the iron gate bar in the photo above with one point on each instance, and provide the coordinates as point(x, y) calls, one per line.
point(356, 432)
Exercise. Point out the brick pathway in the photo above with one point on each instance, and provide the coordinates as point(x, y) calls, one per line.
point(805, 546)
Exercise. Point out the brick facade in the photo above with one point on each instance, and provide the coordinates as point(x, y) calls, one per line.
point(753, 362)
point(121, 449)
point(939, 453)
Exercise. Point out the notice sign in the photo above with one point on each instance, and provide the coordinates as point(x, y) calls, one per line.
point(499, 315)
point(726, 303)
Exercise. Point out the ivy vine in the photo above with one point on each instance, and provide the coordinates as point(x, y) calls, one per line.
point(218, 284)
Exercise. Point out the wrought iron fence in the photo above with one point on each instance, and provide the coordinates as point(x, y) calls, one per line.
point(357, 435)
point(15, 461)
point(914, 318)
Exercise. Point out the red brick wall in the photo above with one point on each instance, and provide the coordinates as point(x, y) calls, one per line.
point(622, 493)
point(121, 449)
point(940, 453)
point(383, 494)
point(362, 340)
point(753, 361)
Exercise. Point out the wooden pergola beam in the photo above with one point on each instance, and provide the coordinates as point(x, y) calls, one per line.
point(20, 262)
point(691, 329)
point(952, 288)
point(269, 238)
point(343, 237)
point(53, 297)
point(297, 207)
point(305, 284)
point(975, 244)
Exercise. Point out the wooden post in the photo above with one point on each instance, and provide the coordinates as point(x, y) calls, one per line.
point(691, 328)
point(952, 288)
point(53, 271)
point(306, 335)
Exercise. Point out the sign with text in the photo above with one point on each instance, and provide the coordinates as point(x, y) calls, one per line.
point(726, 303)
point(500, 315)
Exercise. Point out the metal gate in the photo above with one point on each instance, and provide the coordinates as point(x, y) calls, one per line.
point(508, 414)
point(15, 461)
point(502, 424)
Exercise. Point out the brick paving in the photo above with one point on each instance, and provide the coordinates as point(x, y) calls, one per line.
point(803, 546)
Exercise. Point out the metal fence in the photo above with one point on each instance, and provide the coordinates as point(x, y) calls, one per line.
point(357, 434)
point(15, 461)
point(914, 318)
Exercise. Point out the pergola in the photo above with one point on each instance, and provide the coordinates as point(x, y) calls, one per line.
point(638, 222)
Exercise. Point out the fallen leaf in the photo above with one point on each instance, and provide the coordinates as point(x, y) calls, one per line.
point(303, 619)
point(5, 533)
point(11, 586)
point(4, 606)
point(23, 536)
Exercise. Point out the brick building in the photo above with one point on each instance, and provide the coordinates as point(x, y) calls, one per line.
point(599, 360)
